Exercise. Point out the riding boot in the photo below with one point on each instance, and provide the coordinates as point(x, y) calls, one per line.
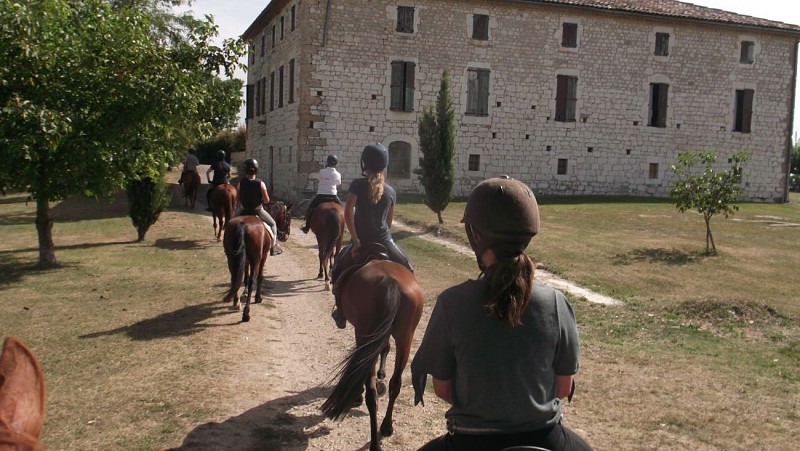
point(337, 314)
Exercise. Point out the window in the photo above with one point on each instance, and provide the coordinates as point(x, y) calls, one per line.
point(263, 43)
point(263, 82)
point(258, 98)
point(272, 91)
point(405, 19)
point(478, 92)
point(273, 36)
point(399, 160)
point(747, 54)
point(253, 53)
point(480, 27)
point(249, 96)
point(561, 169)
point(402, 86)
point(292, 20)
point(657, 114)
point(280, 86)
point(662, 44)
point(743, 110)
point(566, 97)
point(282, 28)
point(653, 171)
point(474, 163)
point(291, 80)
point(569, 35)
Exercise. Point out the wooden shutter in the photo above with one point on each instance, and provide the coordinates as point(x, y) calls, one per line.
point(408, 101)
point(280, 86)
point(483, 94)
point(747, 110)
point(291, 81)
point(249, 95)
point(396, 101)
point(472, 91)
point(569, 35)
point(561, 98)
point(263, 102)
point(272, 91)
point(572, 98)
point(663, 89)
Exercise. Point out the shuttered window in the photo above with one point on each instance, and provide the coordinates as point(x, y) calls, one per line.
point(405, 19)
point(280, 86)
point(478, 92)
point(566, 97)
point(743, 110)
point(399, 160)
point(480, 27)
point(662, 44)
point(569, 35)
point(272, 91)
point(747, 53)
point(402, 86)
point(291, 80)
point(249, 95)
point(657, 115)
point(263, 83)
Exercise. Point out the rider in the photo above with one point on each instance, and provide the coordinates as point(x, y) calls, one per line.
point(222, 173)
point(502, 349)
point(368, 214)
point(252, 195)
point(329, 179)
point(190, 163)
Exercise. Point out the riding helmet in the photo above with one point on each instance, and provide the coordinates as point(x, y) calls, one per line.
point(250, 164)
point(333, 160)
point(221, 155)
point(502, 206)
point(374, 158)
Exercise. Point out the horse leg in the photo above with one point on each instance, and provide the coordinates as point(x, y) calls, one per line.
point(249, 285)
point(402, 342)
point(262, 264)
point(372, 407)
point(382, 371)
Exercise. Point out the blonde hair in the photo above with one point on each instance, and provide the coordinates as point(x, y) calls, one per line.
point(375, 186)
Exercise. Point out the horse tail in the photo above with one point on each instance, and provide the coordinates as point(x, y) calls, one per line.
point(229, 200)
point(334, 229)
point(357, 367)
point(237, 258)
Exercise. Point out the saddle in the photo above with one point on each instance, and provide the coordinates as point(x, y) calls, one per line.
point(366, 253)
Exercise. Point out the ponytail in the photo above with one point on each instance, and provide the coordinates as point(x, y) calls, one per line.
point(375, 187)
point(507, 288)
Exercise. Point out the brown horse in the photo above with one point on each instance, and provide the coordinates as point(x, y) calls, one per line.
point(380, 299)
point(191, 183)
point(247, 243)
point(327, 223)
point(222, 203)
point(22, 398)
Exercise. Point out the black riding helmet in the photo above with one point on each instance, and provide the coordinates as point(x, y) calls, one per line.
point(374, 158)
point(220, 155)
point(332, 160)
point(250, 164)
point(506, 214)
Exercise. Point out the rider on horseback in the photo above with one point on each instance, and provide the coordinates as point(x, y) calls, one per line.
point(222, 172)
point(190, 163)
point(252, 194)
point(368, 214)
point(329, 179)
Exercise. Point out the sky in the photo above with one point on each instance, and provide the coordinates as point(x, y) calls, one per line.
point(233, 18)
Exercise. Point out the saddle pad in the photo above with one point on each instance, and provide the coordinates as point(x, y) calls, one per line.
point(269, 230)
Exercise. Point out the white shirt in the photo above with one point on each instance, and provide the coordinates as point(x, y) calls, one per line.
point(329, 179)
point(190, 163)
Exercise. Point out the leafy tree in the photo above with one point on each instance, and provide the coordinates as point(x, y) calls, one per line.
point(94, 91)
point(796, 158)
point(147, 199)
point(228, 140)
point(708, 193)
point(437, 144)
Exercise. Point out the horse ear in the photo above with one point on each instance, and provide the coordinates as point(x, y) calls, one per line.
point(22, 397)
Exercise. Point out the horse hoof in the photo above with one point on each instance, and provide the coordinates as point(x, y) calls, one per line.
point(358, 401)
point(245, 318)
point(381, 387)
point(319, 276)
point(327, 286)
point(387, 430)
point(257, 301)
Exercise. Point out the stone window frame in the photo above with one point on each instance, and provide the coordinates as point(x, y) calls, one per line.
point(578, 34)
point(662, 120)
point(743, 102)
point(405, 18)
point(480, 27)
point(566, 104)
point(402, 77)
point(393, 149)
point(478, 92)
point(562, 167)
point(469, 20)
point(647, 171)
point(654, 44)
point(755, 49)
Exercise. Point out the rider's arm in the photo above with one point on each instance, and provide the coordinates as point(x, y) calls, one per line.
point(443, 389)
point(390, 216)
point(563, 386)
point(264, 195)
point(208, 173)
point(349, 216)
point(236, 197)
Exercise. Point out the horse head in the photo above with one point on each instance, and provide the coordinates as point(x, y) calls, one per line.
point(22, 398)
point(279, 211)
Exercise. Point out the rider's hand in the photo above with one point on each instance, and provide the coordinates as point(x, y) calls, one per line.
point(354, 249)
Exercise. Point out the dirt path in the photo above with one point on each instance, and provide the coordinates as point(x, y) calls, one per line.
point(285, 358)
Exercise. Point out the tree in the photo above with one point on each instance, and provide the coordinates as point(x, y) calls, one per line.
point(94, 91)
point(709, 193)
point(147, 199)
point(437, 145)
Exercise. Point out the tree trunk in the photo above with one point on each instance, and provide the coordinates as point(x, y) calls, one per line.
point(439, 214)
point(710, 247)
point(44, 228)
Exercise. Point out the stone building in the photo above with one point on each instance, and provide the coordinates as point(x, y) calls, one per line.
point(574, 97)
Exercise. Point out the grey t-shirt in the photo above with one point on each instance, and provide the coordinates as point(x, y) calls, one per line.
point(370, 220)
point(503, 377)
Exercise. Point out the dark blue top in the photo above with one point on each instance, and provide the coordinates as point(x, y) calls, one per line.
point(370, 220)
point(221, 170)
point(250, 193)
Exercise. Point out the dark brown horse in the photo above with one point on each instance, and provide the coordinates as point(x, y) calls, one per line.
point(327, 223)
point(247, 243)
point(191, 183)
point(22, 398)
point(380, 299)
point(222, 203)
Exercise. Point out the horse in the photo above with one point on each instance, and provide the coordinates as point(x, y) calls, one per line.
point(247, 243)
point(380, 299)
point(222, 203)
point(22, 397)
point(191, 183)
point(327, 223)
